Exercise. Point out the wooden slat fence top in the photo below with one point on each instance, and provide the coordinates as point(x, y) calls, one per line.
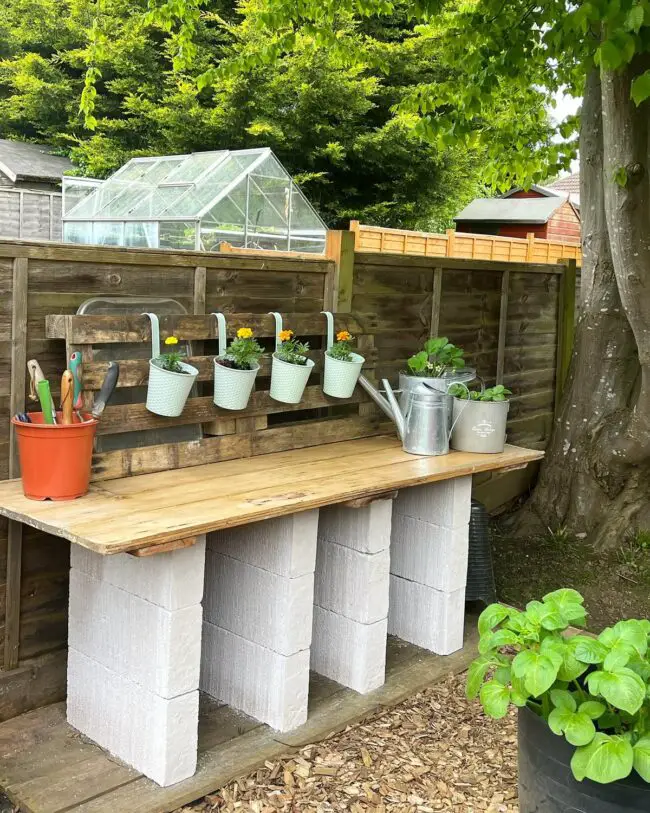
point(136, 512)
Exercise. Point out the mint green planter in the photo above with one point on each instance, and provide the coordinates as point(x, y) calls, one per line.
point(341, 376)
point(168, 392)
point(233, 388)
point(288, 381)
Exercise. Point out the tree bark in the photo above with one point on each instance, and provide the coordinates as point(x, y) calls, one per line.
point(594, 480)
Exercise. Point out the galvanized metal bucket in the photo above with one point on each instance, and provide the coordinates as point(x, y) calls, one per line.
point(408, 383)
point(479, 426)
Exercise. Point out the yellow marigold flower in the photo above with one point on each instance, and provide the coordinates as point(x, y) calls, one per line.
point(285, 335)
point(171, 340)
point(343, 336)
point(244, 333)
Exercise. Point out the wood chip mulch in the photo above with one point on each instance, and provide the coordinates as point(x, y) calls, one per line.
point(433, 752)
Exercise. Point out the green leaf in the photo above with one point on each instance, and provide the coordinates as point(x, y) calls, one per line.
point(634, 19)
point(537, 670)
point(495, 698)
point(577, 727)
point(642, 758)
point(491, 616)
point(587, 650)
point(593, 709)
point(618, 656)
point(497, 639)
point(606, 759)
point(620, 177)
point(476, 674)
point(632, 632)
point(547, 615)
point(622, 688)
point(563, 699)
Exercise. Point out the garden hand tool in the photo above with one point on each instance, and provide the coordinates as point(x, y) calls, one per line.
point(75, 369)
point(67, 397)
point(45, 397)
point(35, 376)
point(108, 385)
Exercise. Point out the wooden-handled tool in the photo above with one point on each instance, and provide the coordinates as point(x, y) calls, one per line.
point(67, 397)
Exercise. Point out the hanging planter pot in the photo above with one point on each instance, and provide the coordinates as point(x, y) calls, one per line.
point(479, 426)
point(232, 386)
point(290, 368)
point(342, 366)
point(167, 390)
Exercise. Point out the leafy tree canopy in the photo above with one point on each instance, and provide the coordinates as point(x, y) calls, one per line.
point(341, 125)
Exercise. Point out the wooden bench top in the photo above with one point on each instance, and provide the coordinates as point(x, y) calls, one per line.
point(134, 513)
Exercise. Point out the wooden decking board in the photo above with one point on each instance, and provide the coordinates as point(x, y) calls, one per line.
point(48, 767)
point(134, 512)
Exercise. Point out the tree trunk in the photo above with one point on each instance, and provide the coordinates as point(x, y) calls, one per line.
point(594, 479)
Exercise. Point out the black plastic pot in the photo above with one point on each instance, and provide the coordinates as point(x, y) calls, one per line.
point(546, 784)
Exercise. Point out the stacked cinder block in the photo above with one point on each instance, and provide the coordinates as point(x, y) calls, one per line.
point(429, 547)
point(258, 599)
point(351, 595)
point(134, 656)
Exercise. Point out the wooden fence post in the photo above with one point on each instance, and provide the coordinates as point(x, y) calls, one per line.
point(435, 302)
point(340, 248)
point(503, 325)
point(530, 249)
point(566, 326)
point(16, 404)
point(451, 242)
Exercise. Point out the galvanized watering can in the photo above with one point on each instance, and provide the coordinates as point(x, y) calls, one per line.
point(422, 425)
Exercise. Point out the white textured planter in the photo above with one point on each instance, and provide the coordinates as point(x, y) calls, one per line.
point(167, 391)
point(288, 381)
point(479, 426)
point(341, 376)
point(233, 388)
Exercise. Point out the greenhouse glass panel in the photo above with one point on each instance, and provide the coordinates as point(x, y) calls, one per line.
point(244, 197)
point(78, 233)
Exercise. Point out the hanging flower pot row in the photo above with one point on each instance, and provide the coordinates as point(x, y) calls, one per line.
point(236, 366)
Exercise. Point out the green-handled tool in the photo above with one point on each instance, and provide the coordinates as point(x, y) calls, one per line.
point(45, 397)
point(35, 377)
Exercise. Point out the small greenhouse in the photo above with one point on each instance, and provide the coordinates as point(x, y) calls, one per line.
point(243, 197)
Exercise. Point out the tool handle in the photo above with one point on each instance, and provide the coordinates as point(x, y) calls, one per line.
point(67, 397)
point(45, 397)
point(108, 385)
point(76, 362)
point(35, 377)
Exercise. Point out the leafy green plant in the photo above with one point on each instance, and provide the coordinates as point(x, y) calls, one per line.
point(291, 350)
point(595, 692)
point(171, 360)
point(341, 349)
point(498, 393)
point(244, 353)
point(439, 356)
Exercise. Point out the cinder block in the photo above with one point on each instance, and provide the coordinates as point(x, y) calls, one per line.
point(286, 545)
point(173, 581)
point(351, 583)
point(268, 686)
point(366, 530)
point(154, 735)
point(446, 503)
point(348, 652)
point(429, 554)
point(158, 649)
point(256, 604)
point(425, 616)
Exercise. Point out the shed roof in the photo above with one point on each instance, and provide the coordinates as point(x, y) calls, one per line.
point(511, 210)
point(21, 161)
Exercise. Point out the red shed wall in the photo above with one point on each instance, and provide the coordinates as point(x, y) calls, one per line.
point(564, 225)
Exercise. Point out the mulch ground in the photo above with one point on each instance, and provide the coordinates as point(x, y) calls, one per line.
point(433, 752)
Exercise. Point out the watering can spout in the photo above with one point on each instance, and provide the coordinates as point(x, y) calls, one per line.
point(388, 406)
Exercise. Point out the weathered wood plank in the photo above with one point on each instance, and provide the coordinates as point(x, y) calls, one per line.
point(165, 547)
point(503, 325)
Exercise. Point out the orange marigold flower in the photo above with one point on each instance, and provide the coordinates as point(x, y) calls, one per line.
point(285, 335)
point(343, 336)
point(244, 333)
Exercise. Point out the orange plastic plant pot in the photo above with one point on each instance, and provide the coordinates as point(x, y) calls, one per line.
point(55, 459)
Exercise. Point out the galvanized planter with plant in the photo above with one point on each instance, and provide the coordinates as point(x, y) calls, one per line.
point(290, 368)
point(479, 419)
point(593, 693)
point(439, 364)
point(235, 371)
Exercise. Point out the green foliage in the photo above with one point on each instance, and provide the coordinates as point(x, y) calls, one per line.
point(244, 352)
point(123, 81)
point(342, 347)
point(496, 393)
point(171, 360)
point(594, 692)
point(439, 356)
point(291, 350)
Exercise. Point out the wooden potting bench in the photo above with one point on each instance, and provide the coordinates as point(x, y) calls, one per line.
point(234, 577)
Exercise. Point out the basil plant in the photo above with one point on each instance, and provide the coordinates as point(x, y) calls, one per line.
point(594, 692)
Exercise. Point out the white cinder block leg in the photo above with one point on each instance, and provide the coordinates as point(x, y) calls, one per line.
point(134, 657)
point(351, 595)
point(259, 595)
point(429, 547)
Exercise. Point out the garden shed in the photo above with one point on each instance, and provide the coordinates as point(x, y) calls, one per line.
point(242, 197)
